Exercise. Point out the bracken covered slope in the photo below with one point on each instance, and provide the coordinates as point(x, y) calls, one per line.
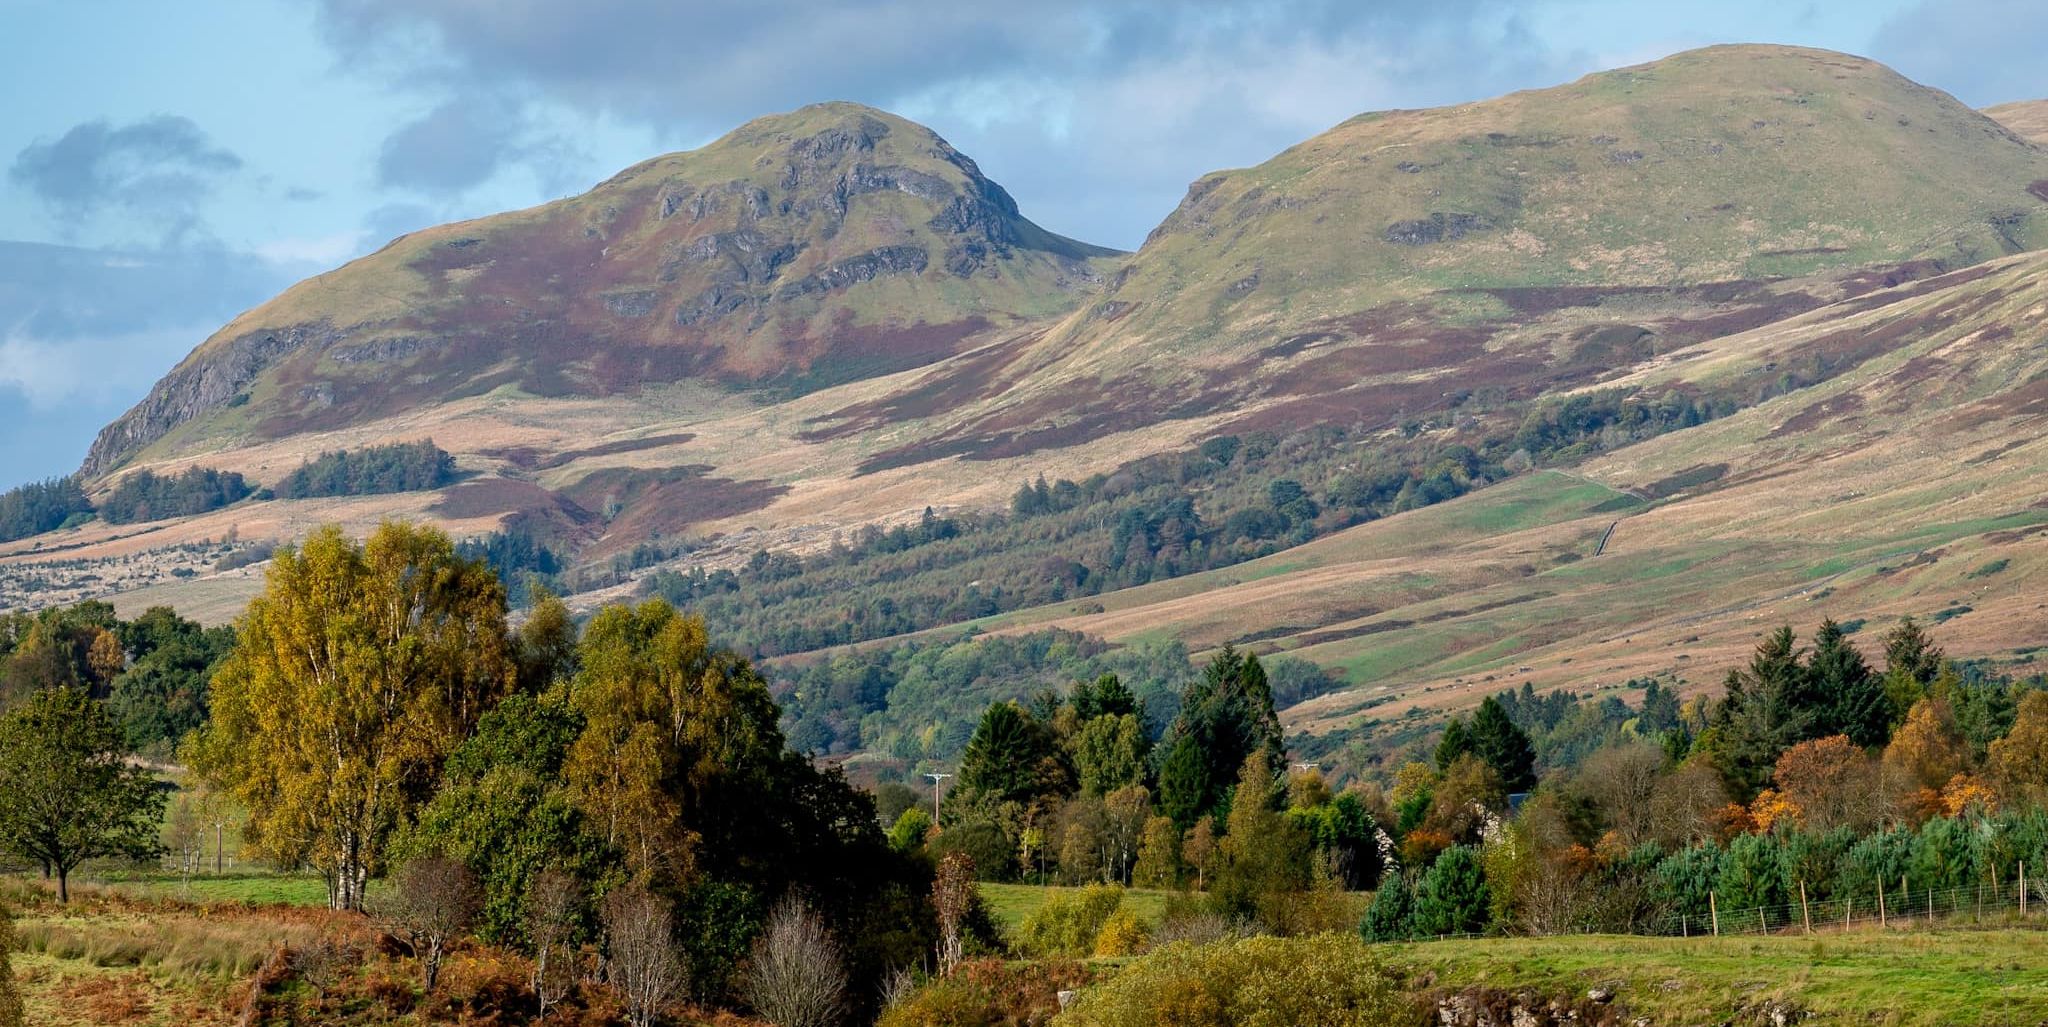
point(826, 245)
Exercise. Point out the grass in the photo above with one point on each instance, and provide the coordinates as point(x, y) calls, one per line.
point(1896, 978)
point(256, 888)
point(1013, 903)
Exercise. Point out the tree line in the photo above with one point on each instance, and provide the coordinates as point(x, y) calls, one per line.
point(152, 672)
point(144, 495)
point(1813, 773)
point(398, 467)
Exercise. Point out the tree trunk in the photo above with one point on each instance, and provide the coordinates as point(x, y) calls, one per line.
point(63, 886)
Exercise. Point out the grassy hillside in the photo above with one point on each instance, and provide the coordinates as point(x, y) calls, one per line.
point(1904, 483)
point(2027, 118)
point(1519, 244)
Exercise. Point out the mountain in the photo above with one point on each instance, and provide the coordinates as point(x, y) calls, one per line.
point(832, 243)
point(2027, 118)
point(1829, 273)
point(1403, 255)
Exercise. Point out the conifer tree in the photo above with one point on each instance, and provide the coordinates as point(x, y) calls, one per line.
point(1456, 742)
point(1851, 699)
point(1391, 915)
point(1505, 747)
point(1226, 715)
point(1453, 897)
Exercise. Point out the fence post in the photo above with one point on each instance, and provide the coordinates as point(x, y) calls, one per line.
point(1906, 899)
point(1762, 926)
point(1804, 913)
point(1714, 908)
point(1880, 903)
point(2023, 888)
point(1848, 911)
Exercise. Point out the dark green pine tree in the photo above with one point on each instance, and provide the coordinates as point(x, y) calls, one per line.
point(1457, 741)
point(1001, 761)
point(1852, 699)
point(1226, 715)
point(1770, 706)
point(1453, 897)
point(1504, 747)
point(1391, 915)
point(1106, 696)
point(1910, 651)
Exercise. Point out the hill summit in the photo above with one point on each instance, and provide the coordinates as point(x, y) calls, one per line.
point(828, 244)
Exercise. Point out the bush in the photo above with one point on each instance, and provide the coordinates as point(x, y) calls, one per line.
point(1453, 897)
point(988, 992)
point(1330, 980)
point(1121, 935)
point(1070, 921)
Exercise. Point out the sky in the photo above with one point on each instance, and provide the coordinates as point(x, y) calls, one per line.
point(168, 165)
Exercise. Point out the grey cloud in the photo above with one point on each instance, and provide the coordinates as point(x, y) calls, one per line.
point(1096, 113)
point(1983, 51)
point(458, 144)
point(156, 170)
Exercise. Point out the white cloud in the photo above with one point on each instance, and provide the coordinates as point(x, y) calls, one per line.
point(53, 374)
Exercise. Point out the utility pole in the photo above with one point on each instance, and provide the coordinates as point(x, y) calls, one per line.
point(938, 786)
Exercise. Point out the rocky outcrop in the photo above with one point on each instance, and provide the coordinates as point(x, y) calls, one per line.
point(1438, 227)
point(889, 260)
point(206, 381)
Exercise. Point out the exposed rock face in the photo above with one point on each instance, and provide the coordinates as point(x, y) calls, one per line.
point(753, 258)
point(197, 387)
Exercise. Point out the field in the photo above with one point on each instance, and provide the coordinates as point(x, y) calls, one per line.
point(134, 954)
point(1895, 978)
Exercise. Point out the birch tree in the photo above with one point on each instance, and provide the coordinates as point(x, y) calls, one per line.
point(353, 675)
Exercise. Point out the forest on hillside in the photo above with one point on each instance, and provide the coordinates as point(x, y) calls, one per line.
point(622, 790)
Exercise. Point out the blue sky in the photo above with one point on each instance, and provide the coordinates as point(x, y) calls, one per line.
point(168, 165)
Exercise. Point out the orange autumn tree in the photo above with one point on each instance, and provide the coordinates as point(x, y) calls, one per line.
point(1926, 753)
point(1829, 783)
point(2018, 763)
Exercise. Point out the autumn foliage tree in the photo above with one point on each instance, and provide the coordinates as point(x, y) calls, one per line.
point(354, 674)
point(1829, 783)
point(1926, 753)
point(2018, 763)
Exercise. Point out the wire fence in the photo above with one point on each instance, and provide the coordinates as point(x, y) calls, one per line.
point(1899, 907)
point(1890, 908)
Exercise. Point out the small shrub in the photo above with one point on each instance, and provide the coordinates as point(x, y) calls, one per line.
point(1121, 935)
point(988, 992)
point(1329, 980)
point(1069, 921)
